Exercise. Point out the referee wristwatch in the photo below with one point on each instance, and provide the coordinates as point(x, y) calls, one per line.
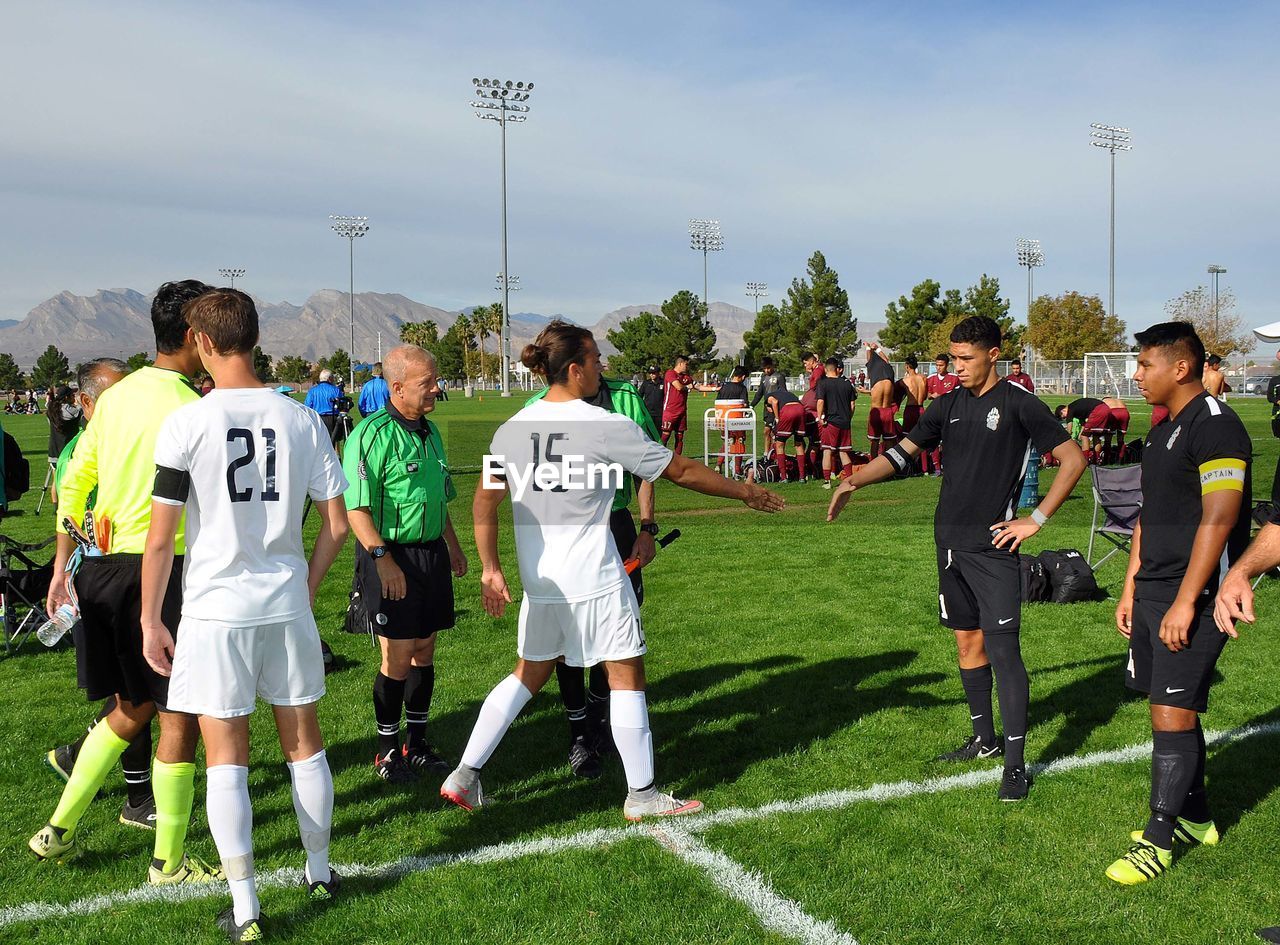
point(650, 528)
point(378, 552)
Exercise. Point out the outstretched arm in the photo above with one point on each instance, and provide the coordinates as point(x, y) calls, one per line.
point(484, 513)
point(689, 474)
point(878, 470)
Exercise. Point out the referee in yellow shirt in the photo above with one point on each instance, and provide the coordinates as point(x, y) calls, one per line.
point(116, 454)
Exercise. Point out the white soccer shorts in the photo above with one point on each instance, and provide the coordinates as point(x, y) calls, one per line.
point(586, 632)
point(221, 671)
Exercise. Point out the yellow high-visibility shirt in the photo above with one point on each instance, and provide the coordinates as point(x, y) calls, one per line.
point(116, 453)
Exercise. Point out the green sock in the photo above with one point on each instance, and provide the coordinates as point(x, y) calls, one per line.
point(101, 750)
point(175, 788)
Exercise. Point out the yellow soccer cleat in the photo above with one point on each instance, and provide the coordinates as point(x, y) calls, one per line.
point(49, 843)
point(192, 869)
point(1188, 831)
point(1144, 861)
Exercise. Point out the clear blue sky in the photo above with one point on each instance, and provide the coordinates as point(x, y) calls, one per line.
point(147, 141)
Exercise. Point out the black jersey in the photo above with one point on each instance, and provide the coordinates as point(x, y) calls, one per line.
point(781, 396)
point(1081, 408)
point(986, 441)
point(651, 393)
point(1205, 448)
point(732, 390)
point(837, 396)
point(878, 369)
point(768, 384)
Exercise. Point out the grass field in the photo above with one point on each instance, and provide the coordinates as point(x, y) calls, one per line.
point(796, 668)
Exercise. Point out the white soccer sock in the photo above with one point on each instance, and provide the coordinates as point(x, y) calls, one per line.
point(629, 721)
point(313, 803)
point(500, 709)
point(231, 823)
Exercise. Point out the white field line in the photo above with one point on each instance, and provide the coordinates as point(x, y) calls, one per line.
point(776, 913)
point(600, 837)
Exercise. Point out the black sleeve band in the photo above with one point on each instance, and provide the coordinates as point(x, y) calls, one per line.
point(173, 485)
point(898, 456)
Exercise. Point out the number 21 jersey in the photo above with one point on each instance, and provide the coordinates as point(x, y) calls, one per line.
point(244, 461)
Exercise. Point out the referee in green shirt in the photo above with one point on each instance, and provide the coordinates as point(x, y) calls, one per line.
point(406, 554)
point(587, 705)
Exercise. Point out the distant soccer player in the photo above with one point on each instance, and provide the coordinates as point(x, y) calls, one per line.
point(675, 403)
point(836, 398)
point(986, 428)
point(735, 389)
point(578, 603)
point(1215, 382)
point(789, 422)
point(1093, 416)
point(1195, 513)
point(916, 391)
point(882, 420)
point(651, 393)
point(940, 383)
point(242, 461)
point(769, 381)
point(1020, 377)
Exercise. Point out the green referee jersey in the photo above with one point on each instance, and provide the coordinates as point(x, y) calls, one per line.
point(63, 459)
point(618, 397)
point(397, 471)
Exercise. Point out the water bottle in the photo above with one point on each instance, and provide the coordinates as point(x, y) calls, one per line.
point(56, 627)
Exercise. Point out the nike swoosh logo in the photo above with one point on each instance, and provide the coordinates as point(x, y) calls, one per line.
point(988, 752)
point(1014, 738)
point(955, 419)
point(1005, 621)
point(972, 717)
point(1169, 692)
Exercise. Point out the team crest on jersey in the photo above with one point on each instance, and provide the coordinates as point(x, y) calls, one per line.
point(1173, 438)
point(993, 418)
point(362, 471)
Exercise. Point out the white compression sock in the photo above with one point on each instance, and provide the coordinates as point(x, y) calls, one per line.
point(313, 803)
point(629, 721)
point(231, 823)
point(500, 709)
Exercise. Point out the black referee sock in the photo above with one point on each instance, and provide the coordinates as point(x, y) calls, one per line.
point(598, 698)
point(1196, 807)
point(1013, 689)
point(418, 689)
point(135, 762)
point(573, 695)
point(1173, 767)
point(388, 703)
point(977, 690)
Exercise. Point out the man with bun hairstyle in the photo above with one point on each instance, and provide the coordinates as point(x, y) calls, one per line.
point(578, 604)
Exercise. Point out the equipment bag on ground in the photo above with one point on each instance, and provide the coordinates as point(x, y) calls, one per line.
point(1070, 577)
point(17, 471)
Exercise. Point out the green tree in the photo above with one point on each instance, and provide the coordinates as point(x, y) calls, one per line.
point(765, 338)
point(139, 360)
point(910, 322)
point(984, 299)
point(1222, 331)
point(52, 367)
point(262, 364)
point(816, 313)
point(1067, 326)
point(640, 343)
point(11, 375)
point(292, 369)
point(339, 363)
point(423, 334)
point(453, 351)
point(466, 334)
point(686, 329)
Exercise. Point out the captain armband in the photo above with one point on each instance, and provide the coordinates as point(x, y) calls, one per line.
point(899, 457)
point(172, 486)
point(1218, 475)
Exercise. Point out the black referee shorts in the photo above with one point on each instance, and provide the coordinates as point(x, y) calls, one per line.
point(1179, 679)
point(427, 605)
point(623, 528)
point(979, 590)
point(109, 638)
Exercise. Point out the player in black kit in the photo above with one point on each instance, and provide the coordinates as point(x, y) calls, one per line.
point(1195, 506)
point(986, 428)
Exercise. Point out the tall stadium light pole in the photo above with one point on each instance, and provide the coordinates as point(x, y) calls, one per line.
point(1030, 255)
point(1215, 270)
point(758, 291)
point(352, 228)
point(231, 274)
point(1113, 138)
point(704, 236)
point(503, 102)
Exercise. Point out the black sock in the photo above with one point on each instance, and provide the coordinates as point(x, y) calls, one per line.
point(598, 698)
point(135, 762)
point(573, 695)
point(418, 689)
point(1013, 689)
point(388, 701)
point(977, 689)
point(1173, 766)
point(1196, 807)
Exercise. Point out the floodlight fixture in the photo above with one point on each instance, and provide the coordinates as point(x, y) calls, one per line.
point(352, 228)
point(232, 275)
point(705, 237)
point(1113, 138)
point(758, 291)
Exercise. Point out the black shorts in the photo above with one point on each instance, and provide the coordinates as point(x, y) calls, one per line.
point(979, 590)
point(1179, 679)
point(109, 639)
point(623, 528)
point(427, 605)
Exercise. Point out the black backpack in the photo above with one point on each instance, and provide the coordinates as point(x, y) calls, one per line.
point(17, 471)
point(1035, 582)
point(1070, 577)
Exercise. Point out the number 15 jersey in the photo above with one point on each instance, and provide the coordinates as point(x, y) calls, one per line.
point(244, 460)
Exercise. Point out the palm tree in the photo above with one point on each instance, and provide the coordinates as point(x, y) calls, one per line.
point(480, 327)
point(465, 331)
point(493, 324)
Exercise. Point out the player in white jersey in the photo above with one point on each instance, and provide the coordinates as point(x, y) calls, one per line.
point(561, 461)
point(242, 461)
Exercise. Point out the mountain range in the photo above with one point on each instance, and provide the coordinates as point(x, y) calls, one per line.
point(117, 323)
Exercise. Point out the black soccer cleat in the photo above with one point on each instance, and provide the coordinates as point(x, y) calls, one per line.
point(393, 769)
point(1014, 785)
point(423, 758)
point(61, 760)
point(143, 816)
point(584, 761)
point(250, 931)
point(973, 750)
point(1270, 934)
point(320, 891)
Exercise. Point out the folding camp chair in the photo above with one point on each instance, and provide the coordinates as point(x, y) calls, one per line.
point(23, 584)
point(1117, 495)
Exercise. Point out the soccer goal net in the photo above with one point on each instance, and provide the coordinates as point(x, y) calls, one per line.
point(1110, 374)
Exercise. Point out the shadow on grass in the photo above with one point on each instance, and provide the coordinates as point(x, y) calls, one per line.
point(1242, 774)
point(1086, 705)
